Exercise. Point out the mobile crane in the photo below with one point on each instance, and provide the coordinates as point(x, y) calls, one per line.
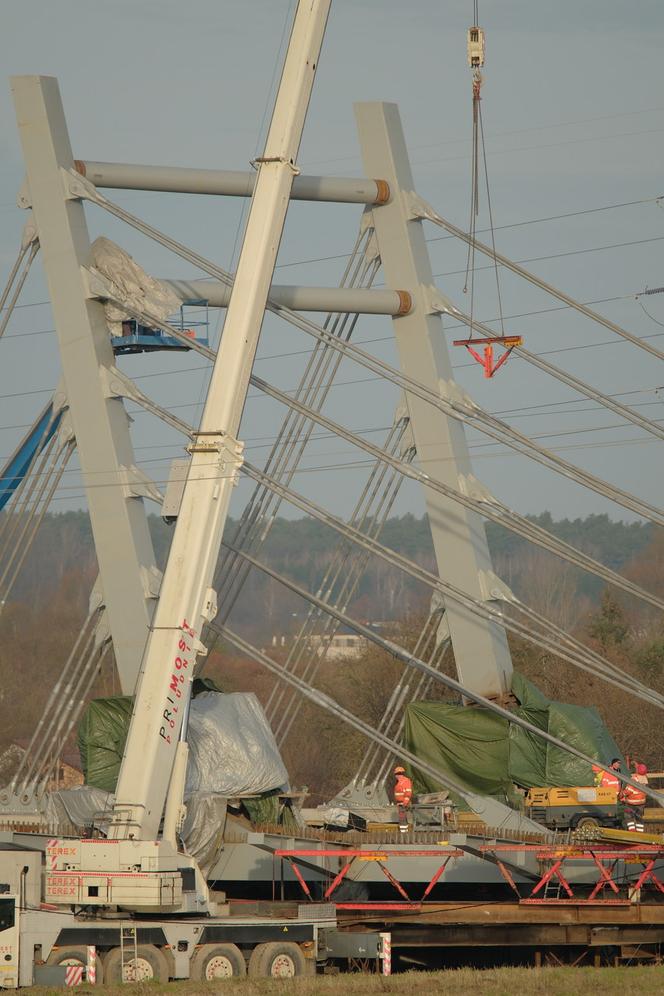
point(135, 898)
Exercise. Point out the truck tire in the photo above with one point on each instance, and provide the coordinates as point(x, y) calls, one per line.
point(281, 959)
point(587, 823)
point(151, 965)
point(217, 961)
point(75, 955)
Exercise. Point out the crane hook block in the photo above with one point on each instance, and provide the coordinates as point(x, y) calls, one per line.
point(475, 47)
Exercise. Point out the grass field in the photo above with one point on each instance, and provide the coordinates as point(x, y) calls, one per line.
point(462, 982)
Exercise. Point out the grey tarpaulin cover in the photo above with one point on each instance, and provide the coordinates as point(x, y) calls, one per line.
point(232, 753)
point(232, 750)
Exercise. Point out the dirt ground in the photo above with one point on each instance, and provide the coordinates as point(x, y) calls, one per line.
point(628, 981)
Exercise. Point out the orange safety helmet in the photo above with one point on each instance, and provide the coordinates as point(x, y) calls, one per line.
point(399, 770)
point(641, 769)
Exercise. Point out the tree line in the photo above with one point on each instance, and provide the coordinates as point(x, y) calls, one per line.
point(38, 627)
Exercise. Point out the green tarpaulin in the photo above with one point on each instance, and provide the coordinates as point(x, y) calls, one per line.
point(490, 756)
point(102, 733)
point(101, 738)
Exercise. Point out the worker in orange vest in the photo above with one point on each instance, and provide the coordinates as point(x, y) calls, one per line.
point(608, 779)
point(635, 800)
point(403, 796)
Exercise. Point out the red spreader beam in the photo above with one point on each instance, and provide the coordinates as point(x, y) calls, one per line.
point(486, 358)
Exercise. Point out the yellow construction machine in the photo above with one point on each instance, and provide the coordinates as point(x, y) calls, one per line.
point(577, 808)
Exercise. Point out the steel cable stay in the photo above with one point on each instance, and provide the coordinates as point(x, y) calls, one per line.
point(25, 541)
point(461, 409)
point(425, 211)
point(301, 323)
point(550, 640)
point(369, 269)
point(31, 499)
point(295, 432)
point(329, 704)
point(89, 672)
point(9, 521)
point(27, 248)
point(464, 411)
point(406, 658)
point(357, 517)
point(63, 699)
point(346, 571)
point(353, 564)
point(428, 648)
point(605, 401)
point(18, 519)
point(488, 509)
point(485, 505)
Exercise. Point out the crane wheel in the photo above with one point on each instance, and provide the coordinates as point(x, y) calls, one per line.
point(280, 959)
point(150, 965)
point(217, 961)
point(75, 954)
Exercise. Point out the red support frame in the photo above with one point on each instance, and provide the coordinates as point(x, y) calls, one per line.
point(605, 877)
point(553, 870)
point(379, 856)
point(648, 875)
point(299, 876)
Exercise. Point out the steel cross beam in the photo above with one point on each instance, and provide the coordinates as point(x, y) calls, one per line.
point(229, 183)
point(480, 647)
point(113, 485)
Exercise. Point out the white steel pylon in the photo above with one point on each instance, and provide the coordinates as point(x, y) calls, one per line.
point(481, 653)
point(114, 486)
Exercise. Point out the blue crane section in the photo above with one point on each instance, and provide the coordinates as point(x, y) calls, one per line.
point(33, 442)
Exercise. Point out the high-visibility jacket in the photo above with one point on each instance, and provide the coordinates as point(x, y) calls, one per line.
point(403, 790)
point(610, 780)
point(634, 796)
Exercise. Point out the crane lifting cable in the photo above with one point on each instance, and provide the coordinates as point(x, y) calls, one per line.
point(486, 359)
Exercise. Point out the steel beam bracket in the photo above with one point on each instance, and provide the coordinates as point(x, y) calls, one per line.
point(97, 287)
point(450, 391)
point(65, 429)
point(494, 588)
point(469, 485)
point(136, 484)
point(77, 188)
point(116, 384)
point(418, 208)
point(437, 303)
point(97, 604)
point(30, 234)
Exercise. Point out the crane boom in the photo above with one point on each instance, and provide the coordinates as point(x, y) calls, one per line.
point(186, 600)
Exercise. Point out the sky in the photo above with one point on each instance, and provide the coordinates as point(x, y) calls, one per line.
point(573, 115)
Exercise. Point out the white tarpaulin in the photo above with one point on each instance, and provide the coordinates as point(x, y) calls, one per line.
point(129, 282)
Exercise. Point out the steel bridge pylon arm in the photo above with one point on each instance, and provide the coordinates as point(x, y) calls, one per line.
point(480, 647)
point(101, 426)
